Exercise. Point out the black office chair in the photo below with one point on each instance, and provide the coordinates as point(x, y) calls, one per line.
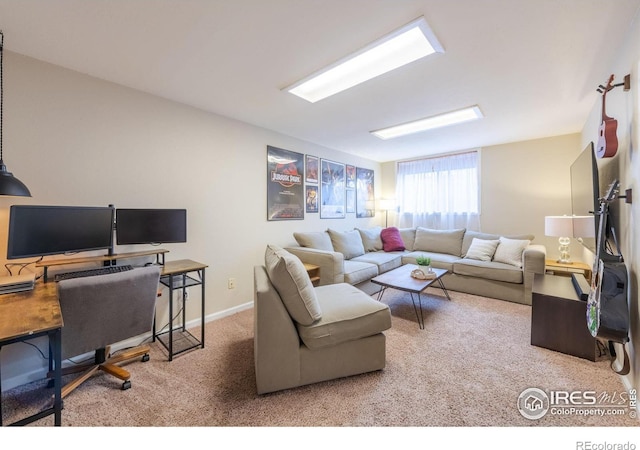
point(102, 310)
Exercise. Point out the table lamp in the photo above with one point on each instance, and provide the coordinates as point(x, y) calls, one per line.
point(566, 227)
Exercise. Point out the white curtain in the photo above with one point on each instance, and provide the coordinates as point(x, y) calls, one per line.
point(439, 193)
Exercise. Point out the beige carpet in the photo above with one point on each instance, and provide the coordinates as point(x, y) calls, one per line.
point(465, 369)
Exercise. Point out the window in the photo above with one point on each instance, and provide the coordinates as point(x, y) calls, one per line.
point(440, 192)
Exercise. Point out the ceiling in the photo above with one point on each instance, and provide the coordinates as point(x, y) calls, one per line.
point(532, 66)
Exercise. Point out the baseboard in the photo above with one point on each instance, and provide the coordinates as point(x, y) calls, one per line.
point(40, 373)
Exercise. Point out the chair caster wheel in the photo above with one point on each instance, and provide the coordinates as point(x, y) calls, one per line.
point(145, 357)
point(126, 385)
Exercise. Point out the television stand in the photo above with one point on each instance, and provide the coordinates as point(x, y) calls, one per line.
point(559, 319)
point(159, 253)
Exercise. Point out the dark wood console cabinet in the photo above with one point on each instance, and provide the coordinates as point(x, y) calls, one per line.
point(558, 318)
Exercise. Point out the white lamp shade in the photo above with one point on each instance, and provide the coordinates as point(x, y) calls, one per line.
point(569, 226)
point(584, 226)
point(560, 226)
point(386, 204)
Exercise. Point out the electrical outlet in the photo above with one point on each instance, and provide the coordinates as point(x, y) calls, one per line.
point(186, 294)
point(231, 284)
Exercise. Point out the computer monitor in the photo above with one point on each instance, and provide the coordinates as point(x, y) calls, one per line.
point(51, 230)
point(150, 226)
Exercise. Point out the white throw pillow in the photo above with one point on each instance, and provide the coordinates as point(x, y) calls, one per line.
point(482, 249)
point(509, 251)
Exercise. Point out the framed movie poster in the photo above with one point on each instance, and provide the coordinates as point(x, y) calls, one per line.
point(285, 193)
point(365, 198)
point(351, 177)
point(312, 199)
point(351, 200)
point(311, 169)
point(332, 190)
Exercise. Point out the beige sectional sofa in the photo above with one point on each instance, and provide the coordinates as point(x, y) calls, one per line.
point(484, 264)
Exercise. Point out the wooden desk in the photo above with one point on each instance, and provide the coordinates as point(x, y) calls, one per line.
point(27, 315)
point(175, 276)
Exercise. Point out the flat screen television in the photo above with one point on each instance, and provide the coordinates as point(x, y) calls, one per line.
point(150, 226)
point(54, 230)
point(585, 190)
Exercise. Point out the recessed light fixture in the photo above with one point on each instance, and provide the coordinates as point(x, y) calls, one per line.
point(441, 120)
point(407, 44)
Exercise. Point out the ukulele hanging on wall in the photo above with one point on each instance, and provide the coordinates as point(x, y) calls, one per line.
point(607, 139)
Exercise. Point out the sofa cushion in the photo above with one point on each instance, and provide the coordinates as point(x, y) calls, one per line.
point(356, 272)
point(291, 280)
point(482, 249)
point(384, 261)
point(371, 239)
point(349, 243)
point(488, 270)
point(438, 260)
point(319, 240)
point(408, 236)
point(391, 240)
point(439, 241)
point(347, 314)
point(509, 251)
point(469, 235)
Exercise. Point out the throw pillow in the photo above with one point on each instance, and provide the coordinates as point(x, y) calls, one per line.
point(509, 251)
point(391, 240)
point(482, 249)
point(289, 277)
point(349, 243)
point(371, 239)
point(314, 239)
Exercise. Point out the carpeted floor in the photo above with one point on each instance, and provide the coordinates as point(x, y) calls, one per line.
point(465, 369)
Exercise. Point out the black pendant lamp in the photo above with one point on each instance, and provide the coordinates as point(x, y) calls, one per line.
point(9, 185)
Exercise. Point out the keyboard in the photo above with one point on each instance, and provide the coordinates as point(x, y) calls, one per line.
point(92, 272)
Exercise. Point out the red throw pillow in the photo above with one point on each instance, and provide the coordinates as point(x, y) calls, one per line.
point(391, 240)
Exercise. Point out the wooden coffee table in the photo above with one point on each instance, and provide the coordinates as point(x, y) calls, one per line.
point(402, 280)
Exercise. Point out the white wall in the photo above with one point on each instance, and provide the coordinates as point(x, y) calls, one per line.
point(624, 166)
point(522, 182)
point(77, 140)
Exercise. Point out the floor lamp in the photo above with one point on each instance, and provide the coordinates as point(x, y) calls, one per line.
point(386, 205)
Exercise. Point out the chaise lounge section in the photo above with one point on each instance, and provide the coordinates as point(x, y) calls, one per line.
point(489, 265)
point(305, 334)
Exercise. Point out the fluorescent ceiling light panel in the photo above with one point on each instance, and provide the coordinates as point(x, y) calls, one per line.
point(408, 44)
point(442, 120)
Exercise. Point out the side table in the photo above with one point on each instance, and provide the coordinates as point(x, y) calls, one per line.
point(314, 273)
point(557, 268)
point(559, 318)
point(176, 276)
